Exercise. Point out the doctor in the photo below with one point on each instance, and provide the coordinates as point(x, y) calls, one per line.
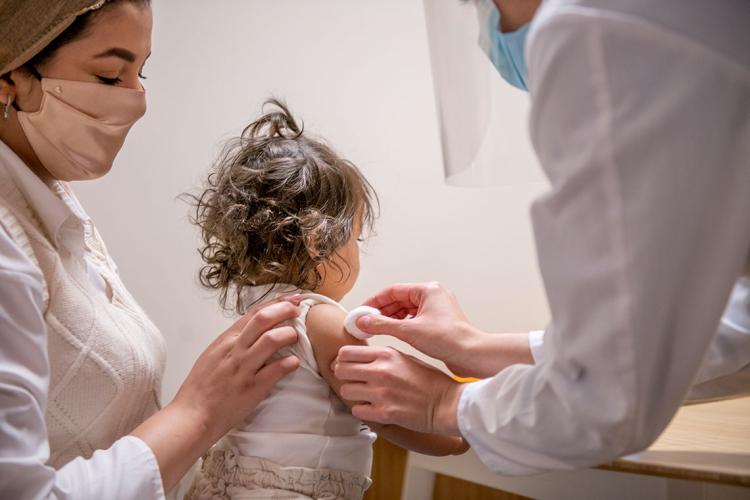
point(641, 120)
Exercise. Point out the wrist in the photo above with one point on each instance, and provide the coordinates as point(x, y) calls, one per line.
point(467, 350)
point(446, 412)
point(177, 436)
point(491, 353)
point(194, 422)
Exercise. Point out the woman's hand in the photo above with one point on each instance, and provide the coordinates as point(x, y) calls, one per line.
point(227, 382)
point(234, 373)
point(394, 388)
point(428, 317)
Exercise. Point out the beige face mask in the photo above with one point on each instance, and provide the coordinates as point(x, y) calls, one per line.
point(80, 126)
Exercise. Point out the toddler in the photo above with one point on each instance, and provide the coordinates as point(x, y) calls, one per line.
point(283, 213)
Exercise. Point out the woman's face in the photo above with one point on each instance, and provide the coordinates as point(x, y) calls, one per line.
point(111, 51)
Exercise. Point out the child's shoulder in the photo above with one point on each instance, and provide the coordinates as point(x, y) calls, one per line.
point(325, 329)
point(327, 321)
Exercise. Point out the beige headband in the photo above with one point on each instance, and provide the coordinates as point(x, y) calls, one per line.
point(27, 26)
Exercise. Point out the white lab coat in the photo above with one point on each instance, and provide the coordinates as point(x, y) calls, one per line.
point(641, 120)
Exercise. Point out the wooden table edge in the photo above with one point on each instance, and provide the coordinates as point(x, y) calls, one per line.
point(675, 472)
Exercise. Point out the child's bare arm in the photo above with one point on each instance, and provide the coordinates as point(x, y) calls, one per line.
point(325, 328)
point(427, 444)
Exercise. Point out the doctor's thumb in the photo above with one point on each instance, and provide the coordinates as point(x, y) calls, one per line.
point(383, 325)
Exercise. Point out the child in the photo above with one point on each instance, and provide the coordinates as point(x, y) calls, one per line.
point(283, 213)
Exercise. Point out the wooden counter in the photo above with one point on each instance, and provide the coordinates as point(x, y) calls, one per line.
point(704, 442)
point(703, 454)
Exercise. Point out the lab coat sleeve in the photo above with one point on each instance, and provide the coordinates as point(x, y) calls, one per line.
point(644, 136)
point(127, 470)
point(536, 345)
point(726, 367)
point(725, 371)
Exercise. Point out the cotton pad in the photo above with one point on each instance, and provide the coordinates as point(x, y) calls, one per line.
point(350, 323)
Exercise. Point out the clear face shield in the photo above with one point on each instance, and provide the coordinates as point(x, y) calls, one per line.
point(482, 118)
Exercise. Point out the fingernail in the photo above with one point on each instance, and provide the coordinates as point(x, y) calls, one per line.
point(366, 321)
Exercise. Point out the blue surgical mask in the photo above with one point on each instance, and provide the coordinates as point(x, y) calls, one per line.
point(505, 50)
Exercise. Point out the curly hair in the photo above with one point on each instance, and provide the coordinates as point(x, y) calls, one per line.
point(275, 205)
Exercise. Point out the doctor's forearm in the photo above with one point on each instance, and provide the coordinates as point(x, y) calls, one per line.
point(490, 353)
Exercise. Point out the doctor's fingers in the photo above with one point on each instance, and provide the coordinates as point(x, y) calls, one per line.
point(361, 393)
point(405, 295)
point(380, 414)
point(359, 372)
point(408, 330)
point(265, 318)
point(398, 311)
point(381, 367)
point(365, 353)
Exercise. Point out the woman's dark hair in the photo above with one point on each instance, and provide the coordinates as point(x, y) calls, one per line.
point(76, 30)
point(276, 204)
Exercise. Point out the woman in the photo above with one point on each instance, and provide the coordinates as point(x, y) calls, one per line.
point(80, 363)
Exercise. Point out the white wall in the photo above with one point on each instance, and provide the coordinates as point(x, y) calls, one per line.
point(358, 73)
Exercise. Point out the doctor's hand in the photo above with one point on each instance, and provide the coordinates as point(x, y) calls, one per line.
point(229, 379)
point(429, 318)
point(391, 387)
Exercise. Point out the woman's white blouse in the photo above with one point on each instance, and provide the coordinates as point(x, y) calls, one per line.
point(128, 469)
point(641, 120)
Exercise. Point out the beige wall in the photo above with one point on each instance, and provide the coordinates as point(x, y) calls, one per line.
point(358, 73)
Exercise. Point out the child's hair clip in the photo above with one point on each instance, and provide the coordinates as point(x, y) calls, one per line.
point(350, 323)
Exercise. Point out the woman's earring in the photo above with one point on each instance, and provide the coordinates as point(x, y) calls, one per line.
point(8, 104)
